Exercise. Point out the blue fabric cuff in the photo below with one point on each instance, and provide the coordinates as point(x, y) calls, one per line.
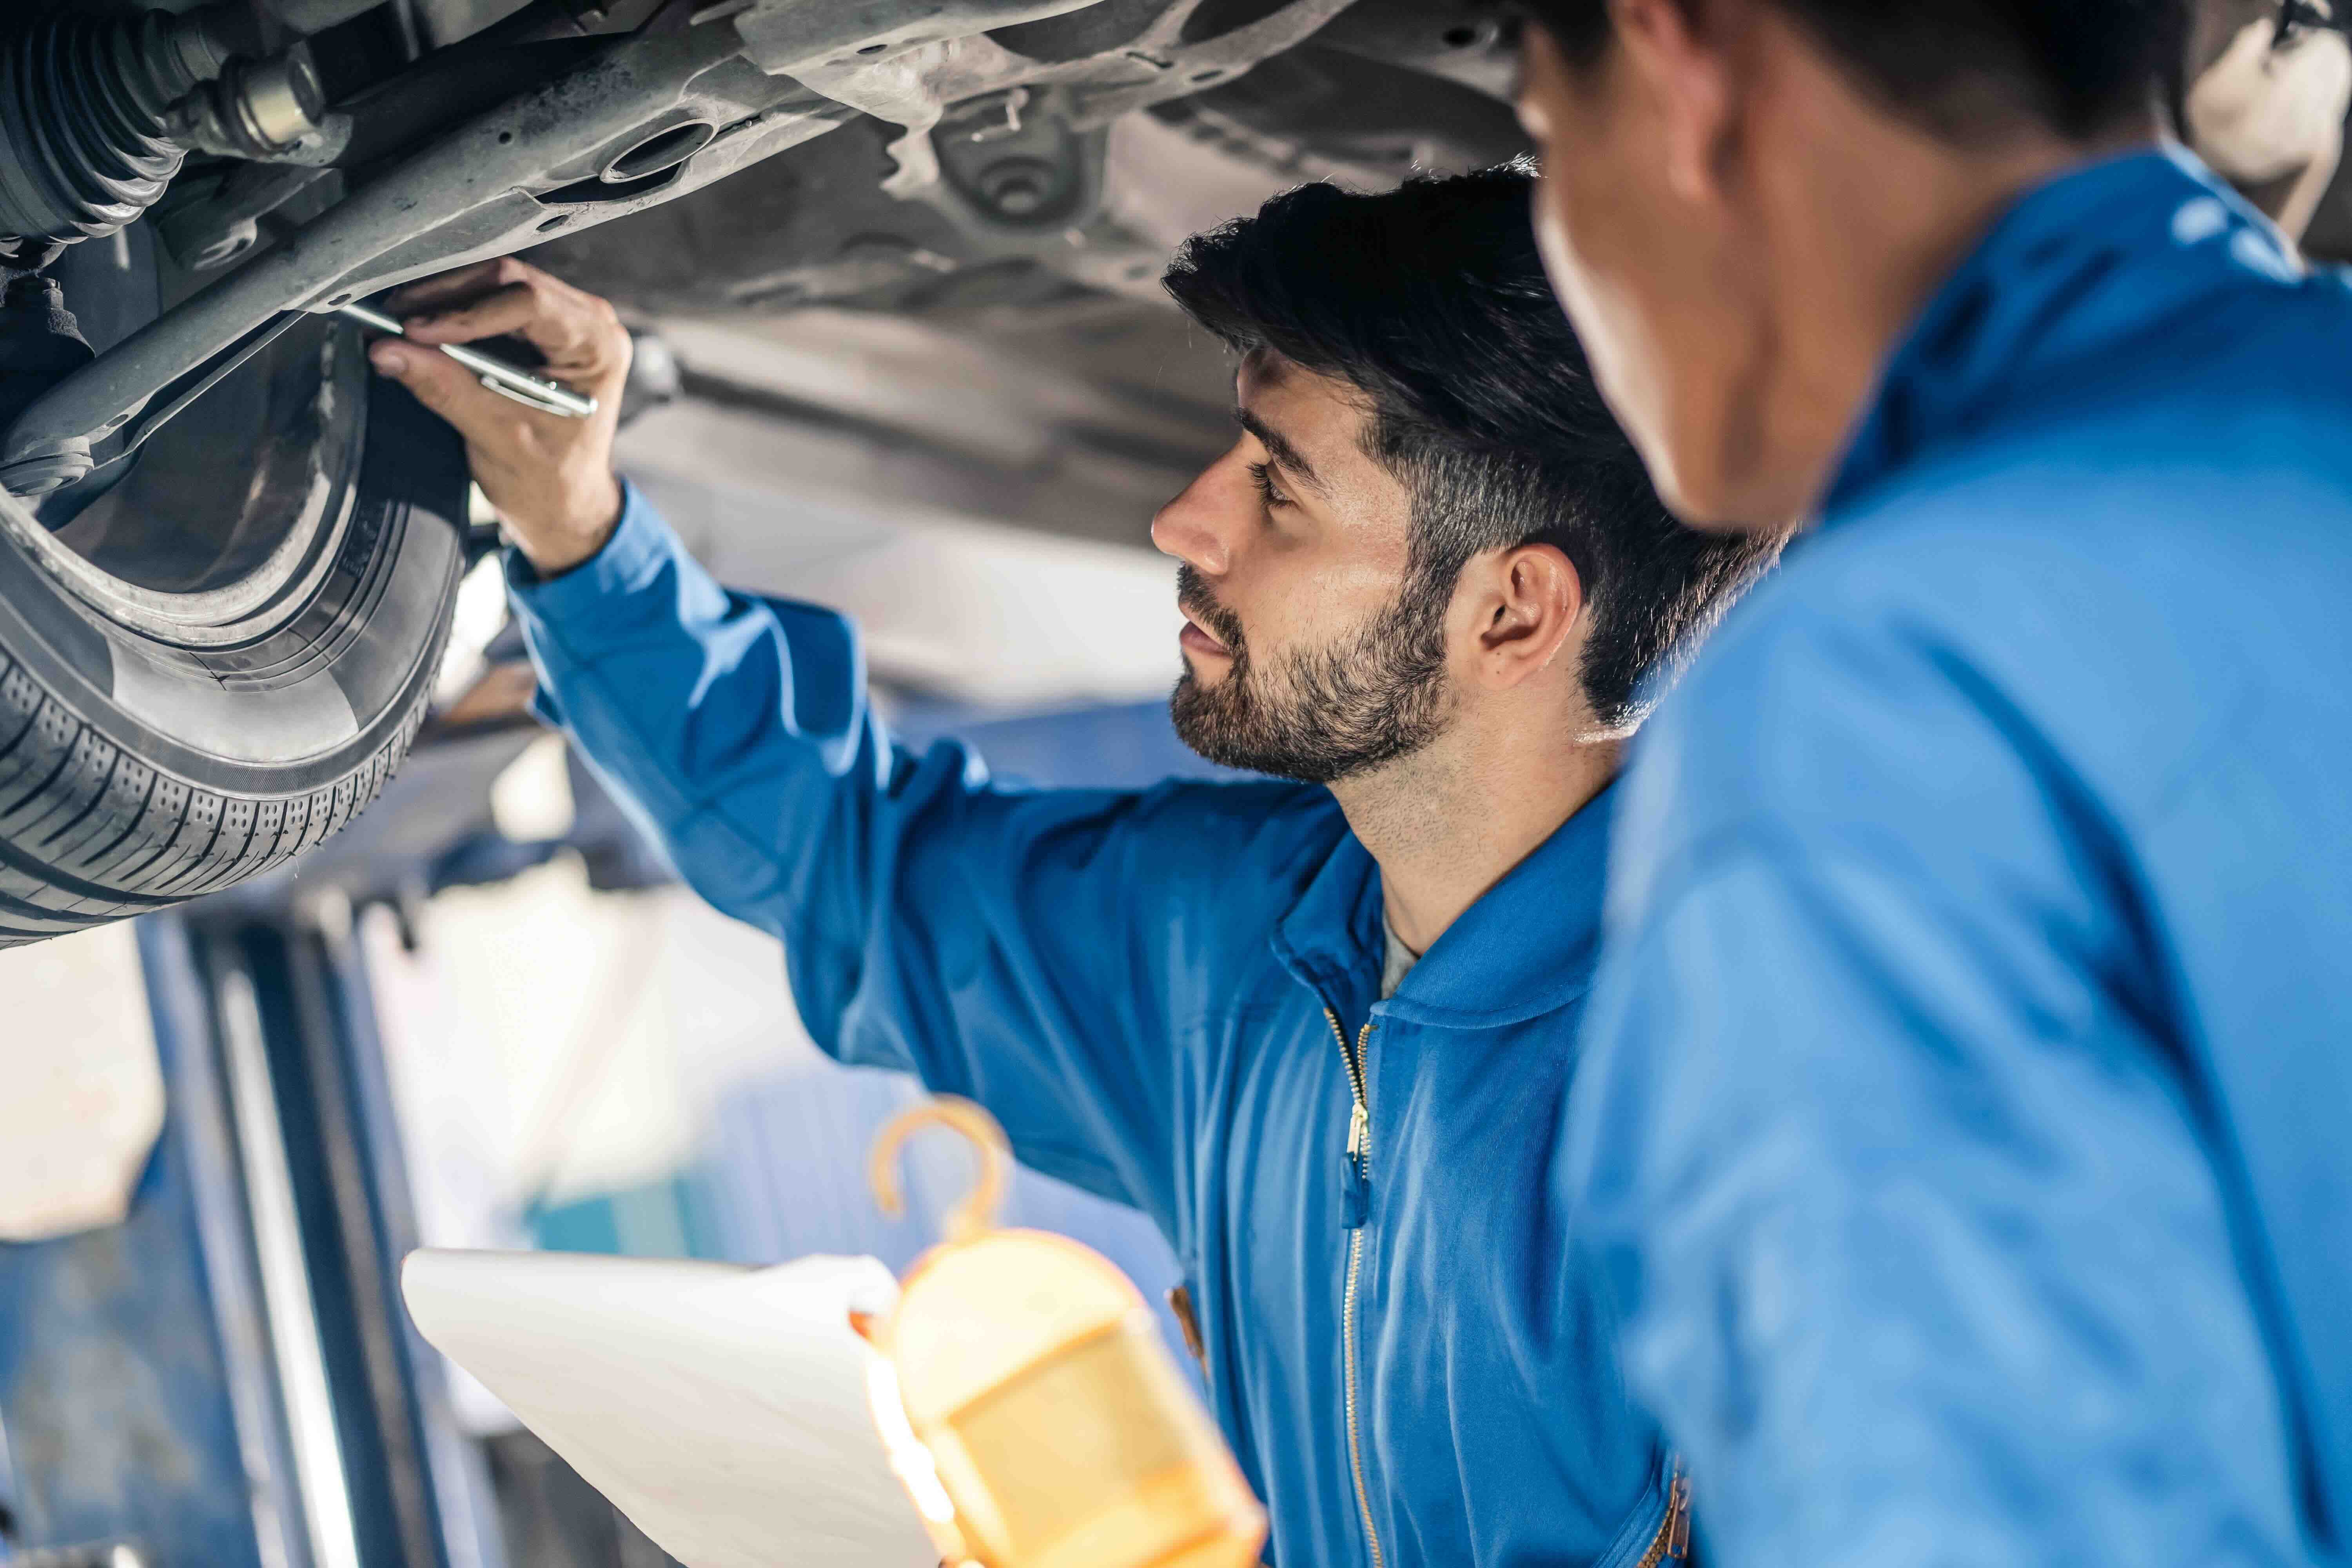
point(641, 544)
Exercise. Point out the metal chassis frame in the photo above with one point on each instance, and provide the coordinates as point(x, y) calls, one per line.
point(770, 74)
point(470, 195)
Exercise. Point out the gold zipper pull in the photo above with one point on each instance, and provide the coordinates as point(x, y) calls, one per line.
point(1678, 1519)
point(1359, 1127)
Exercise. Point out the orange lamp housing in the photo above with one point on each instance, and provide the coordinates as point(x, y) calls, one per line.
point(1028, 1402)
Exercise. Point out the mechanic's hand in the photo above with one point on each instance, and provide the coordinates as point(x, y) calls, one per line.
point(549, 477)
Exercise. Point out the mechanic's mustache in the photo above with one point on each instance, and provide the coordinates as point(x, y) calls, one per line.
point(1193, 597)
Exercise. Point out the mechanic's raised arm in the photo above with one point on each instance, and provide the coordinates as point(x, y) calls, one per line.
point(932, 922)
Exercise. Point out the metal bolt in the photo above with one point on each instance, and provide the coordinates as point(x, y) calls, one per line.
point(52, 465)
point(256, 110)
point(1017, 187)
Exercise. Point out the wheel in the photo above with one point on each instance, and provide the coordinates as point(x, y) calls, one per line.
point(216, 663)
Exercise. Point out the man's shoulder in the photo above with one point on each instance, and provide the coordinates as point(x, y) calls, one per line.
point(2193, 435)
point(1238, 836)
point(1221, 863)
point(2103, 589)
point(2170, 495)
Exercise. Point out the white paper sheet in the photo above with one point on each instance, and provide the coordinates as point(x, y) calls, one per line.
point(722, 1409)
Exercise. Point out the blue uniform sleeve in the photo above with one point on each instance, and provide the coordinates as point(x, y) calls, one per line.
point(998, 943)
point(1923, 1245)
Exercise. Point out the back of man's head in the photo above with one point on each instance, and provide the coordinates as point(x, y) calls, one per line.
point(1432, 302)
point(1966, 69)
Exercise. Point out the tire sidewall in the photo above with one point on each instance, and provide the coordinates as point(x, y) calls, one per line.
point(366, 643)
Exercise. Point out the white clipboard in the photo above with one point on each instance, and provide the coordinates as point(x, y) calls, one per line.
point(722, 1409)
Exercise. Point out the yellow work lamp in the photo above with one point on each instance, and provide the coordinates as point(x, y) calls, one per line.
point(1028, 1402)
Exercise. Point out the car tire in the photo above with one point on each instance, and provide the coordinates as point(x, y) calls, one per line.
point(157, 746)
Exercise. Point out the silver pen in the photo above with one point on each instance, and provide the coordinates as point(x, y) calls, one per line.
point(510, 381)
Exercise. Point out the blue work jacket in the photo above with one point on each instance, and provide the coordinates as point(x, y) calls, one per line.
point(1165, 997)
point(1969, 1125)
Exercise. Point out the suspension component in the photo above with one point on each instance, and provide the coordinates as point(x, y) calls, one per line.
point(96, 114)
point(40, 344)
point(258, 109)
point(83, 147)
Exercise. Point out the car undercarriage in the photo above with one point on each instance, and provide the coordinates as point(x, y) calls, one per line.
point(988, 154)
point(227, 555)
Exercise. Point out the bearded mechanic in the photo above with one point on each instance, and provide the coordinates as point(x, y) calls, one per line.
point(1321, 1031)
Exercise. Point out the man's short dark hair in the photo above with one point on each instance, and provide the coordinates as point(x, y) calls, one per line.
point(1966, 69)
point(1432, 302)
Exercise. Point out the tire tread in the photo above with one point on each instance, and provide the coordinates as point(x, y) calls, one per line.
point(90, 834)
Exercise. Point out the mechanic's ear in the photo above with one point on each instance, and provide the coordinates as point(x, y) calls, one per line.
point(1525, 604)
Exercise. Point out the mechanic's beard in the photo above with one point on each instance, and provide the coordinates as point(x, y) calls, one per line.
point(1377, 695)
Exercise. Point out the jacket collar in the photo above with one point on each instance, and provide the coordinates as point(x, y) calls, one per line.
point(1524, 949)
point(2070, 274)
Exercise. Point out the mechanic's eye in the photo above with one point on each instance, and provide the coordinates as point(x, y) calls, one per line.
point(1262, 475)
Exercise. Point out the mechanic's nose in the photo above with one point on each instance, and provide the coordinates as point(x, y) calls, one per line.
point(1192, 527)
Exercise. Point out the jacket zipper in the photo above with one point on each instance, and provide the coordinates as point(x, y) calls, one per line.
point(1673, 1541)
point(1358, 1206)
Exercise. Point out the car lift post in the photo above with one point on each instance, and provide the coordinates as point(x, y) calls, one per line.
point(227, 1379)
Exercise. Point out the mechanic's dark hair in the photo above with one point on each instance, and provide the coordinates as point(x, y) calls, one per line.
point(1432, 302)
point(1965, 70)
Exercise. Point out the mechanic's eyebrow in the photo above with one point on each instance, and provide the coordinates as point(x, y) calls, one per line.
point(1285, 454)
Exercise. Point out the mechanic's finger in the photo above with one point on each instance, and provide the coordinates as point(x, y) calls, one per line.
point(577, 332)
point(444, 289)
point(444, 386)
point(514, 309)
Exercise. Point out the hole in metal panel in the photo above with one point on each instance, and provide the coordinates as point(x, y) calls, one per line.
point(664, 149)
